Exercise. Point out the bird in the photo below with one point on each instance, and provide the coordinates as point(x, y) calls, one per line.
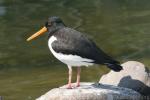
point(74, 48)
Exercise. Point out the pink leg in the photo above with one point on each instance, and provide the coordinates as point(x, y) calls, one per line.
point(70, 77)
point(78, 77)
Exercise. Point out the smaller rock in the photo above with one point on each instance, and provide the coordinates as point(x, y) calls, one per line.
point(134, 76)
point(91, 91)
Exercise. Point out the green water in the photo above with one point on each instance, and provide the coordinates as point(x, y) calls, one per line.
point(28, 70)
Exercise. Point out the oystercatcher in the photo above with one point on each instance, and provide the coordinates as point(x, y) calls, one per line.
point(73, 48)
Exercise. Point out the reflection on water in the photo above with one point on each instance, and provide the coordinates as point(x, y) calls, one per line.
point(27, 70)
point(2, 10)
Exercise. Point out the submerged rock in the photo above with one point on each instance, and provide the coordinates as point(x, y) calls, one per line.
point(91, 91)
point(134, 76)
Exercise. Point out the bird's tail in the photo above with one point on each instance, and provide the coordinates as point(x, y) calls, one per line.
point(115, 67)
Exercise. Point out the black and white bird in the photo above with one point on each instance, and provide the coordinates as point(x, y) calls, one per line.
point(73, 48)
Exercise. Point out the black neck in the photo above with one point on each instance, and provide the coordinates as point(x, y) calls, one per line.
point(54, 28)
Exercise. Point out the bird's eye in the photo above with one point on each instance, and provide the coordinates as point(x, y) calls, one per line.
point(47, 24)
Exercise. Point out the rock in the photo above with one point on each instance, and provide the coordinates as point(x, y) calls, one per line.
point(91, 91)
point(134, 76)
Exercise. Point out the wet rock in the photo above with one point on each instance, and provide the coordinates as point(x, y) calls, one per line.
point(91, 91)
point(134, 76)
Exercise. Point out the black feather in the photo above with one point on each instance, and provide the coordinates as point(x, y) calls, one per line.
point(70, 41)
point(115, 67)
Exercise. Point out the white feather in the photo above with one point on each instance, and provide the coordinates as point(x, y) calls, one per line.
point(71, 60)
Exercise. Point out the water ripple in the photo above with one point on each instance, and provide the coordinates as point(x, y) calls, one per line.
point(74, 13)
point(2, 10)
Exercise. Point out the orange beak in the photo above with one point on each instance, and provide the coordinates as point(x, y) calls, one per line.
point(43, 30)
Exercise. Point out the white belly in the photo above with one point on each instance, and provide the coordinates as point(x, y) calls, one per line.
point(71, 60)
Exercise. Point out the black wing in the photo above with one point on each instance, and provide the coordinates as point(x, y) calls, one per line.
point(70, 41)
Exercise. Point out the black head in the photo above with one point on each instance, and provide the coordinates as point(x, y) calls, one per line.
point(54, 22)
point(52, 25)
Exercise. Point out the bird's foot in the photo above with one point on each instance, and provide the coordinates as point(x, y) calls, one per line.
point(69, 86)
point(77, 85)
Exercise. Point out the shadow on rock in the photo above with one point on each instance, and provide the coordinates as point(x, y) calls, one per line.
point(128, 82)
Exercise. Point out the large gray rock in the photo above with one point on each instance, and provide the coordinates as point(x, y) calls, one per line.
point(91, 91)
point(134, 76)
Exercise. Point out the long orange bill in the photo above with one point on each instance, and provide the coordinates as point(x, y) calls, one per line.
point(43, 30)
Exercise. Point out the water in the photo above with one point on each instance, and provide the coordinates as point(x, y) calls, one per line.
point(27, 69)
